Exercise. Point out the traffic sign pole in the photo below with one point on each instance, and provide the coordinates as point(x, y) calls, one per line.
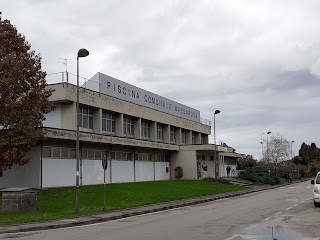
point(104, 167)
point(104, 191)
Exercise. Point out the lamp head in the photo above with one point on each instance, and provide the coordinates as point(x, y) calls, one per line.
point(268, 132)
point(216, 111)
point(83, 52)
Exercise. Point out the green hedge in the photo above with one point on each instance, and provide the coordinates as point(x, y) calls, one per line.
point(261, 175)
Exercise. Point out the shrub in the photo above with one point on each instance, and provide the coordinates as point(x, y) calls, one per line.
point(178, 172)
point(260, 175)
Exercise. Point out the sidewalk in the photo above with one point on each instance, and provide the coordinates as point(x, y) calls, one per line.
point(109, 216)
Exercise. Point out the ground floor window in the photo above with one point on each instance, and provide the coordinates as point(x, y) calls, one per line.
point(65, 153)
point(117, 155)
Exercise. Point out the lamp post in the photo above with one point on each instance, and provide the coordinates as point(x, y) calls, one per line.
point(215, 148)
point(81, 53)
point(262, 145)
point(291, 157)
point(291, 148)
point(268, 146)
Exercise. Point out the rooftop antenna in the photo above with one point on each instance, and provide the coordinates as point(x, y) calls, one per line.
point(65, 62)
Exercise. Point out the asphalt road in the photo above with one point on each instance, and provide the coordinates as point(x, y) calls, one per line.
point(282, 213)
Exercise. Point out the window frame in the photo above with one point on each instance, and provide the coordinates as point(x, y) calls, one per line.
point(160, 132)
point(128, 126)
point(108, 120)
point(145, 129)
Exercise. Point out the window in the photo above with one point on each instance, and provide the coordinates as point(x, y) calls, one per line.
point(73, 153)
point(90, 154)
point(160, 132)
point(46, 152)
point(56, 152)
point(144, 156)
point(172, 134)
point(85, 118)
point(108, 122)
point(203, 139)
point(128, 126)
point(145, 129)
point(318, 179)
point(162, 158)
point(84, 154)
point(97, 154)
point(121, 156)
point(64, 152)
point(193, 138)
point(183, 136)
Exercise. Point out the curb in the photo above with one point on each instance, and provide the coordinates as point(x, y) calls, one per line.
point(106, 217)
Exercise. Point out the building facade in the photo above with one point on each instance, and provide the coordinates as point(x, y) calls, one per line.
point(144, 136)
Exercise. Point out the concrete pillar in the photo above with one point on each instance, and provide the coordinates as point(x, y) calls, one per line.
point(137, 128)
point(178, 136)
point(153, 131)
point(119, 125)
point(189, 137)
point(68, 116)
point(166, 133)
point(97, 120)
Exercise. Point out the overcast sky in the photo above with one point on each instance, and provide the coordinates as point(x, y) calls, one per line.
point(258, 62)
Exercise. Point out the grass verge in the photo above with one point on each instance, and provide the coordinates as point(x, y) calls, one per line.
point(59, 203)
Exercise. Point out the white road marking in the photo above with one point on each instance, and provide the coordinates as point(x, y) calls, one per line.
point(295, 205)
point(290, 199)
point(251, 227)
point(288, 208)
point(278, 213)
point(302, 201)
point(244, 237)
point(291, 187)
point(282, 187)
point(309, 187)
point(267, 219)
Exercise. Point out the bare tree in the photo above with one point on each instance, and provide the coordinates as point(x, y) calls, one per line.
point(276, 150)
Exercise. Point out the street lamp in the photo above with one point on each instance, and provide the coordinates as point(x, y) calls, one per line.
point(81, 53)
point(268, 146)
point(215, 148)
point(262, 145)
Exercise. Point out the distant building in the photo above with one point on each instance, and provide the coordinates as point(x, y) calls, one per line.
point(145, 136)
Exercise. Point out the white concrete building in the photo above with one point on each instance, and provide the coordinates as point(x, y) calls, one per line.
point(145, 136)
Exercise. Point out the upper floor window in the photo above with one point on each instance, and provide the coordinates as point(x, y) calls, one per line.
point(128, 126)
point(108, 122)
point(172, 134)
point(193, 138)
point(85, 118)
point(145, 129)
point(160, 132)
point(183, 136)
point(203, 139)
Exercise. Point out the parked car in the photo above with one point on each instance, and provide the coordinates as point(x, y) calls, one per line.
point(316, 190)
